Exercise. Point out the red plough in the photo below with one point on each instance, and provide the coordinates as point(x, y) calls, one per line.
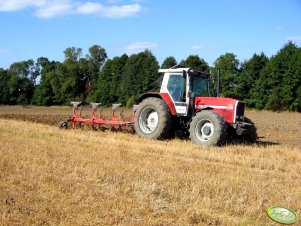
point(97, 120)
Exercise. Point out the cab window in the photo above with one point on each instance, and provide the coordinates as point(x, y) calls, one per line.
point(176, 87)
point(198, 86)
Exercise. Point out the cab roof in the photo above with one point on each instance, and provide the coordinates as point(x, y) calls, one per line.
point(179, 69)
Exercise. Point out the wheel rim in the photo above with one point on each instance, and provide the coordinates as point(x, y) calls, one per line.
point(148, 120)
point(204, 130)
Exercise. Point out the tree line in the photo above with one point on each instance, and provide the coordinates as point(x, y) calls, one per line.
point(263, 83)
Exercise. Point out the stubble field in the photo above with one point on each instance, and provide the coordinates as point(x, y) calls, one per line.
point(83, 177)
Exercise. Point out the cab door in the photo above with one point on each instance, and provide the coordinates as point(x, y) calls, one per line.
point(175, 84)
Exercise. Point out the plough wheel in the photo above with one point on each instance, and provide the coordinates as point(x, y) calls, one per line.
point(63, 125)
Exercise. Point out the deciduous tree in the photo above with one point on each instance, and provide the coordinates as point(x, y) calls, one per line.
point(169, 62)
point(194, 61)
point(228, 63)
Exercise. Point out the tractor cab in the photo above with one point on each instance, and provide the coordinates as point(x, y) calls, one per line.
point(182, 85)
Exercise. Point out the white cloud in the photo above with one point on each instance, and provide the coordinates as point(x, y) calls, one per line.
point(137, 47)
point(90, 8)
point(294, 38)
point(52, 8)
point(108, 11)
point(121, 11)
point(196, 47)
point(199, 47)
point(15, 5)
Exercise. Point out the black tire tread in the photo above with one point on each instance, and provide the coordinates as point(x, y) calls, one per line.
point(164, 127)
point(220, 128)
point(252, 137)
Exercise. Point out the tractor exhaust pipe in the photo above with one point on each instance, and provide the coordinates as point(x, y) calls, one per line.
point(218, 85)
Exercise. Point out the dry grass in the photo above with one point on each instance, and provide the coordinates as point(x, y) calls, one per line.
point(82, 177)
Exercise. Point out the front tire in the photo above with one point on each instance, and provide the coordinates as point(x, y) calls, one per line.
point(152, 119)
point(208, 128)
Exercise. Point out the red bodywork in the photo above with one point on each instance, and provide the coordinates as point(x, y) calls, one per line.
point(225, 107)
point(169, 103)
point(165, 96)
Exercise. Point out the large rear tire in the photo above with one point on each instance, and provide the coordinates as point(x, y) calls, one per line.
point(152, 119)
point(208, 128)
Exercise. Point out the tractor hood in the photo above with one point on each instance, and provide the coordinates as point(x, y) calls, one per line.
point(231, 110)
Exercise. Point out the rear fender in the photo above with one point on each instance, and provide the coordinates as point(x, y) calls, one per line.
point(163, 96)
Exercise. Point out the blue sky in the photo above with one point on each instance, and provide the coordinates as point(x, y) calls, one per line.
point(34, 28)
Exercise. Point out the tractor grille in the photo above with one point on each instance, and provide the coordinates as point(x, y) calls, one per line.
point(240, 109)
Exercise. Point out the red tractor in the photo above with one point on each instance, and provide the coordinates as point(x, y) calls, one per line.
point(183, 105)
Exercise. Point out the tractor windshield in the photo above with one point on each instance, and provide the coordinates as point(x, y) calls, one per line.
point(198, 86)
